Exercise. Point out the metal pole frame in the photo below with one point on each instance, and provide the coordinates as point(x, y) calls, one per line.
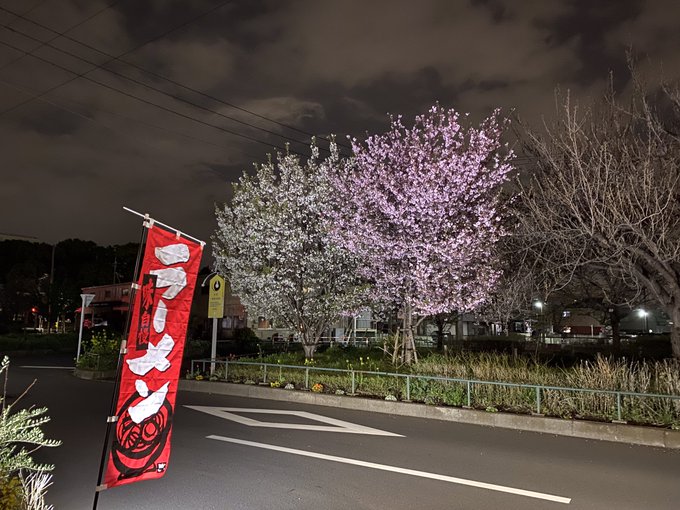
point(119, 368)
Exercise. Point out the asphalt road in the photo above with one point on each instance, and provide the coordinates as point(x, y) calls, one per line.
point(298, 461)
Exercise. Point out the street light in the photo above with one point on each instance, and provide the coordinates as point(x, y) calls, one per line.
point(644, 313)
point(539, 319)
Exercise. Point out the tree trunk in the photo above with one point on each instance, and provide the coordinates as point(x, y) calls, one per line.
point(440, 335)
point(616, 332)
point(309, 348)
point(409, 345)
point(675, 328)
point(408, 335)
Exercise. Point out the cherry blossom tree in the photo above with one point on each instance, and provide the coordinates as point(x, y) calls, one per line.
point(420, 207)
point(273, 246)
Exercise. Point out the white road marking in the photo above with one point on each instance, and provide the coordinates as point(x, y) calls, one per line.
point(46, 366)
point(395, 469)
point(333, 425)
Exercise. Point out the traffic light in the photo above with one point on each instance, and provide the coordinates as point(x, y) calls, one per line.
point(34, 309)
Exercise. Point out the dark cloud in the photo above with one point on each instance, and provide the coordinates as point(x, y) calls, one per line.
point(496, 9)
point(586, 24)
point(49, 121)
point(73, 158)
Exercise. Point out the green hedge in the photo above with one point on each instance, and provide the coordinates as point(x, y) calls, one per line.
point(66, 342)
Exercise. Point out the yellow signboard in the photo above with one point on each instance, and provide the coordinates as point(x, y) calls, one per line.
point(216, 298)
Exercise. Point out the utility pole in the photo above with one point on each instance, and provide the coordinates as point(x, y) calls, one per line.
point(49, 292)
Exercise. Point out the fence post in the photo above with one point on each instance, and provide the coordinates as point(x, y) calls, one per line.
point(306, 378)
point(538, 400)
point(353, 383)
point(226, 371)
point(469, 394)
point(618, 408)
point(264, 380)
point(408, 388)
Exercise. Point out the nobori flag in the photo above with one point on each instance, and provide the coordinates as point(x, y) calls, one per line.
point(140, 449)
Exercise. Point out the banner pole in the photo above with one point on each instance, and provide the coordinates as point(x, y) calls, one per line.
point(173, 229)
point(111, 418)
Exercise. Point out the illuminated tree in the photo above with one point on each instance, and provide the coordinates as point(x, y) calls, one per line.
point(273, 246)
point(421, 210)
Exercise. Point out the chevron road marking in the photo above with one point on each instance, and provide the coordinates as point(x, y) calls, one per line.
point(331, 424)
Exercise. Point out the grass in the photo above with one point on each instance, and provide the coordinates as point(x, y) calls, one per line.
point(660, 377)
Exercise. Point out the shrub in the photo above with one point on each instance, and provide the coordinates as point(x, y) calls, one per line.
point(102, 354)
point(22, 481)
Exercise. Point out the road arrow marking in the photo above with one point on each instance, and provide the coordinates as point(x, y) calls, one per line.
point(332, 425)
point(395, 469)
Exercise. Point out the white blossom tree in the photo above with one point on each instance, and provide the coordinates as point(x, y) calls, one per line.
point(605, 195)
point(421, 209)
point(273, 246)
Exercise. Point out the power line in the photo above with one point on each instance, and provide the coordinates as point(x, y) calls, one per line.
point(142, 122)
point(59, 34)
point(135, 48)
point(29, 10)
point(146, 101)
point(156, 89)
point(181, 85)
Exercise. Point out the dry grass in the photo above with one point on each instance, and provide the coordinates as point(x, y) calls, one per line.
point(614, 375)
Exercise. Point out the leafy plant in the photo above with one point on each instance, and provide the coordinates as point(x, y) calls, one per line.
point(102, 353)
point(20, 436)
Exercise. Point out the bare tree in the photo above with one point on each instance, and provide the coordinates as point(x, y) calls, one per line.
point(606, 194)
point(605, 293)
point(511, 298)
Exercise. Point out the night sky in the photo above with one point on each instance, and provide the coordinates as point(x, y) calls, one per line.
point(72, 157)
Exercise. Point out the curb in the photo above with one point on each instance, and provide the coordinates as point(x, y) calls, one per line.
point(94, 374)
point(615, 432)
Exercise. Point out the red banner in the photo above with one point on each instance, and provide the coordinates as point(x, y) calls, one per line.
point(140, 449)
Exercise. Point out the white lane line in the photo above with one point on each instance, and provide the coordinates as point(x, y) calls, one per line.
point(46, 366)
point(395, 469)
point(332, 425)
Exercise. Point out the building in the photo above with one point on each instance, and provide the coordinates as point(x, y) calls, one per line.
point(109, 307)
point(111, 303)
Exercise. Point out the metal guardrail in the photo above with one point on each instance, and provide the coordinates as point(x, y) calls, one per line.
point(267, 368)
